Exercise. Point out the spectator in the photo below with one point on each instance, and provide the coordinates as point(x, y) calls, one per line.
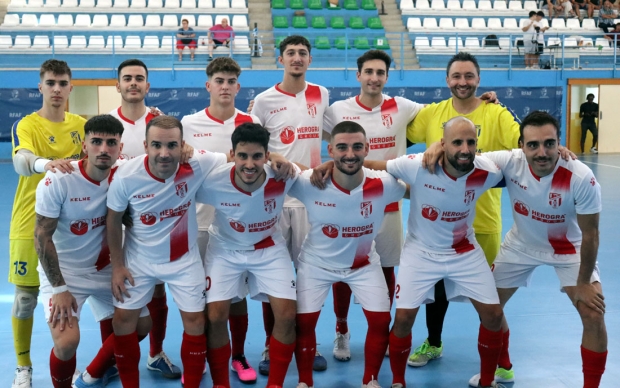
point(220, 34)
point(596, 5)
point(533, 39)
point(589, 113)
point(562, 8)
point(606, 17)
point(578, 5)
point(186, 37)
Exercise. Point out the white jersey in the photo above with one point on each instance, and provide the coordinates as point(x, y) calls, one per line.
point(134, 133)
point(545, 208)
point(204, 132)
point(244, 220)
point(79, 204)
point(442, 207)
point(295, 123)
point(163, 211)
point(343, 223)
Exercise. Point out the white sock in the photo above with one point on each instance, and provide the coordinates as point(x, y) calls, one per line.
point(88, 379)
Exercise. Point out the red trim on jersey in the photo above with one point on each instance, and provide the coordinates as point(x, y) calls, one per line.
point(185, 171)
point(373, 188)
point(461, 243)
point(148, 170)
point(232, 180)
point(336, 185)
point(357, 99)
point(179, 244)
point(360, 261)
point(149, 117)
point(265, 243)
point(533, 173)
point(104, 256)
point(313, 94)
point(361, 254)
point(213, 118)
point(392, 207)
point(562, 246)
point(463, 246)
point(277, 87)
point(124, 118)
point(561, 179)
point(274, 188)
point(242, 118)
point(389, 106)
point(448, 174)
point(112, 172)
point(85, 175)
point(476, 178)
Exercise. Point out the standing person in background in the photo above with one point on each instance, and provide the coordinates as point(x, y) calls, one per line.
point(220, 34)
point(186, 38)
point(589, 113)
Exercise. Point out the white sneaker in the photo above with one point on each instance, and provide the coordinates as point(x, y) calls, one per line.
point(341, 347)
point(76, 374)
point(397, 385)
point(371, 384)
point(303, 385)
point(475, 382)
point(593, 150)
point(23, 377)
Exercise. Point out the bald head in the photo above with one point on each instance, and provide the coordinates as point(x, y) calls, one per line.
point(459, 145)
point(458, 123)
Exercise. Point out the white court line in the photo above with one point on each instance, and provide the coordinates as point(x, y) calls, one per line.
point(600, 164)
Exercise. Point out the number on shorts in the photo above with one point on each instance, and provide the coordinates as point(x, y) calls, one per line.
point(397, 290)
point(208, 283)
point(20, 267)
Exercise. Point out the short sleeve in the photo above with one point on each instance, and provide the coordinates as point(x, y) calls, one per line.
point(500, 158)
point(300, 187)
point(209, 160)
point(394, 188)
point(259, 111)
point(21, 135)
point(588, 195)
point(329, 119)
point(405, 167)
point(117, 195)
point(416, 129)
point(50, 196)
point(509, 128)
point(412, 108)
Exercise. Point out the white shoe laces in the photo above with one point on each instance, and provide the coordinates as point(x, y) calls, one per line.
point(341, 342)
point(23, 376)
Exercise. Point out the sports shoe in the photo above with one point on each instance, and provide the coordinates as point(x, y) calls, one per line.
point(593, 150)
point(342, 352)
point(371, 384)
point(397, 385)
point(23, 377)
point(303, 385)
point(161, 363)
point(111, 373)
point(501, 376)
point(246, 374)
point(424, 353)
point(320, 363)
point(80, 383)
point(263, 365)
point(203, 372)
point(76, 374)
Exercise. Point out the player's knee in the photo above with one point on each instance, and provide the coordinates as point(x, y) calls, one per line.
point(378, 320)
point(492, 318)
point(25, 302)
point(65, 346)
point(144, 326)
point(591, 318)
point(404, 318)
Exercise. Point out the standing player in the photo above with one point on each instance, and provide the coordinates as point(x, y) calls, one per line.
point(48, 134)
point(345, 218)
point(292, 111)
point(133, 86)
point(497, 129)
point(210, 129)
point(246, 249)
point(385, 120)
point(556, 207)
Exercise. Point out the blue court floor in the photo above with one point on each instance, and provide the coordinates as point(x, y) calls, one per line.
point(545, 328)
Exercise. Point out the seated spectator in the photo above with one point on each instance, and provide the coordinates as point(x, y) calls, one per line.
point(612, 34)
point(596, 4)
point(186, 37)
point(578, 5)
point(219, 35)
point(606, 16)
point(563, 8)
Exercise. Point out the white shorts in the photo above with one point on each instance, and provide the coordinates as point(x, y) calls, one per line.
point(263, 272)
point(466, 276)
point(389, 240)
point(295, 227)
point(367, 283)
point(185, 279)
point(514, 267)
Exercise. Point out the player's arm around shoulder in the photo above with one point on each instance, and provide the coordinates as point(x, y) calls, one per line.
point(508, 122)
point(416, 129)
point(302, 185)
point(502, 159)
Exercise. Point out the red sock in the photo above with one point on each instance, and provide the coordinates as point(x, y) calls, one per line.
point(377, 339)
point(593, 367)
point(306, 346)
point(193, 352)
point(218, 359)
point(390, 280)
point(280, 356)
point(127, 354)
point(159, 314)
point(106, 329)
point(399, 352)
point(342, 300)
point(103, 360)
point(268, 321)
point(238, 330)
point(61, 371)
point(489, 347)
point(504, 356)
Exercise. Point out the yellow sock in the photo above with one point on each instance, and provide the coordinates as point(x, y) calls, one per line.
point(22, 336)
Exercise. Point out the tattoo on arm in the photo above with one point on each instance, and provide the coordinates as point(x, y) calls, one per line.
point(46, 250)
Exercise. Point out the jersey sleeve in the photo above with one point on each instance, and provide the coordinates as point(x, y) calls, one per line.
point(329, 119)
point(405, 167)
point(51, 194)
point(411, 107)
point(22, 136)
point(588, 195)
point(301, 185)
point(500, 158)
point(509, 128)
point(394, 188)
point(209, 160)
point(118, 199)
point(256, 119)
point(416, 129)
point(259, 110)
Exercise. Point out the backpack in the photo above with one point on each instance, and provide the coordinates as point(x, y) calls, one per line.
point(491, 41)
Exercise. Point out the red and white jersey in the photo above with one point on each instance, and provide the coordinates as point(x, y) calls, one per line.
point(343, 223)
point(163, 211)
point(443, 207)
point(545, 208)
point(79, 204)
point(134, 133)
point(244, 220)
point(204, 132)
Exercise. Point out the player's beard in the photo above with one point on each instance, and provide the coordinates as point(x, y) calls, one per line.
point(259, 174)
point(133, 99)
point(454, 161)
point(471, 91)
point(341, 163)
point(103, 164)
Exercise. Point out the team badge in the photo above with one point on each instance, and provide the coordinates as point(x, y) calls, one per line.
point(387, 120)
point(48, 181)
point(592, 181)
point(430, 212)
point(330, 230)
point(237, 225)
point(366, 208)
point(52, 139)
point(521, 208)
point(555, 200)
point(469, 196)
point(79, 227)
point(181, 189)
point(270, 205)
point(148, 218)
point(287, 135)
point(75, 137)
point(311, 109)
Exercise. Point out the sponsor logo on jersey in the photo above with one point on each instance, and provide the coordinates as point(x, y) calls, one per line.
point(516, 182)
point(202, 134)
point(411, 156)
point(311, 132)
point(287, 135)
point(311, 109)
point(521, 208)
point(79, 227)
point(293, 284)
point(555, 200)
point(178, 211)
point(366, 208)
point(98, 221)
point(469, 196)
point(228, 204)
point(75, 137)
point(330, 230)
point(357, 231)
point(592, 181)
point(237, 225)
point(548, 218)
point(426, 185)
point(181, 189)
point(386, 119)
point(142, 196)
point(79, 199)
point(277, 110)
point(52, 139)
point(326, 204)
point(263, 225)
point(430, 212)
point(382, 142)
point(350, 118)
point(454, 216)
point(270, 205)
point(148, 218)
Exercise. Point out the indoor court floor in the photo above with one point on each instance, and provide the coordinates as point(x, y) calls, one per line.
point(545, 327)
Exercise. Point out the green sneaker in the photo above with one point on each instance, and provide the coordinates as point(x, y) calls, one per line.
point(504, 375)
point(423, 354)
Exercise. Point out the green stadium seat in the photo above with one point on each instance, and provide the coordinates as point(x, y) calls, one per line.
point(337, 22)
point(381, 43)
point(322, 43)
point(280, 22)
point(278, 4)
point(361, 43)
point(375, 23)
point(296, 4)
point(368, 5)
point(351, 5)
point(319, 22)
point(341, 43)
point(300, 22)
point(315, 4)
point(356, 22)
point(277, 41)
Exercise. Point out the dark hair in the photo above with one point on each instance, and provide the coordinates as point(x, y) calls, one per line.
point(463, 57)
point(541, 14)
point(590, 94)
point(347, 127)
point(223, 65)
point(103, 124)
point(374, 54)
point(294, 40)
point(184, 20)
point(132, 62)
point(56, 67)
point(250, 133)
point(538, 118)
point(164, 122)
point(532, 13)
